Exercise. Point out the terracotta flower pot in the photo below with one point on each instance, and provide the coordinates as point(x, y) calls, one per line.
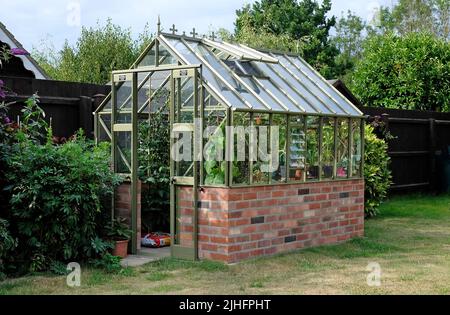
point(121, 249)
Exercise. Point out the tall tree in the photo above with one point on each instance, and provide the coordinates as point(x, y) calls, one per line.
point(304, 21)
point(97, 52)
point(441, 10)
point(348, 39)
point(413, 16)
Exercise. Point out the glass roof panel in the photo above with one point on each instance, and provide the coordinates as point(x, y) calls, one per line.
point(310, 84)
point(282, 84)
point(226, 74)
point(343, 102)
point(248, 78)
point(262, 93)
point(207, 73)
point(277, 93)
point(239, 51)
point(306, 94)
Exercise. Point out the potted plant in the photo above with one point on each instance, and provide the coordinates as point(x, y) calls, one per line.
point(120, 234)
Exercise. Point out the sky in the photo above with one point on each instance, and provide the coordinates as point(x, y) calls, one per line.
point(32, 21)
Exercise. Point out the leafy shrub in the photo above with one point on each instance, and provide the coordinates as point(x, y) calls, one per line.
point(377, 174)
point(56, 199)
point(108, 262)
point(55, 195)
point(7, 243)
point(409, 72)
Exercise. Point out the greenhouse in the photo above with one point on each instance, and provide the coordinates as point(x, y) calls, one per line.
point(265, 155)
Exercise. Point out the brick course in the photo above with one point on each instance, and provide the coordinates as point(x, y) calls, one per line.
point(123, 206)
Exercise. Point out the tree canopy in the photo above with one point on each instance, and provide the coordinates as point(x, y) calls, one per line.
point(406, 72)
point(303, 26)
point(97, 52)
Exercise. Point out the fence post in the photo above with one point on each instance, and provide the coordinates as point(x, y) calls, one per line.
point(86, 118)
point(385, 127)
point(432, 154)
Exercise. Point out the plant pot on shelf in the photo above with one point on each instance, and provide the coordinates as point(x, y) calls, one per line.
point(313, 172)
point(120, 248)
point(328, 171)
point(298, 174)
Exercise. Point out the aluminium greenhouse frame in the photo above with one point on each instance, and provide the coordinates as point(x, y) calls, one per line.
point(292, 98)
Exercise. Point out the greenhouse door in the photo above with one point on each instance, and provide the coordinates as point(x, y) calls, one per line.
point(185, 106)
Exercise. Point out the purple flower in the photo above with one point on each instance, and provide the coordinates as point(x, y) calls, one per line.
point(7, 121)
point(19, 52)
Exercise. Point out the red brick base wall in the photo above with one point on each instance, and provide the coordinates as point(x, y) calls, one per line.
point(123, 206)
point(240, 223)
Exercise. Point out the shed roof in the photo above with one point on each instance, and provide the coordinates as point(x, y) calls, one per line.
point(245, 78)
point(28, 62)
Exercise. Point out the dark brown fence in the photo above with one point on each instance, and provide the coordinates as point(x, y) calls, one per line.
point(68, 105)
point(419, 139)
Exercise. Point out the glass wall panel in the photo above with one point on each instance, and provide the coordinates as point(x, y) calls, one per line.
point(123, 95)
point(105, 128)
point(280, 174)
point(149, 59)
point(297, 149)
point(123, 152)
point(241, 165)
point(214, 165)
point(312, 147)
point(327, 147)
point(356, 148)
point(260, 174)
point(342, 148)
point(165, 58)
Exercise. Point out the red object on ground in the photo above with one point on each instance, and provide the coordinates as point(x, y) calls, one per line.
point(157, 239)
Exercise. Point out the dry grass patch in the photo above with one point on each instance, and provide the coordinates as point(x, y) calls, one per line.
point(410, 241)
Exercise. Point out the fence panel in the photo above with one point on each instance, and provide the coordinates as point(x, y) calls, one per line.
point(419, 138)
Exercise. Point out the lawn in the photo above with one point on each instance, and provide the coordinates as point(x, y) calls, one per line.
point(410, 240)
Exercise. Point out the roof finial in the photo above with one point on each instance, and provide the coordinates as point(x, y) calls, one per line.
point(173, 29)
point(193, 33)
point(213, 36)
point(159, 24)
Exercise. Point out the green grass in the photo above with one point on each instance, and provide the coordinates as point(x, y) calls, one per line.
point(410, 240)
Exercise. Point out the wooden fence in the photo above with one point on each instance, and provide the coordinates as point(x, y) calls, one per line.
point(68, 105)
point(419, 138)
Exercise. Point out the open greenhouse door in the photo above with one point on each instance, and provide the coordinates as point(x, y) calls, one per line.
point(185, 130)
